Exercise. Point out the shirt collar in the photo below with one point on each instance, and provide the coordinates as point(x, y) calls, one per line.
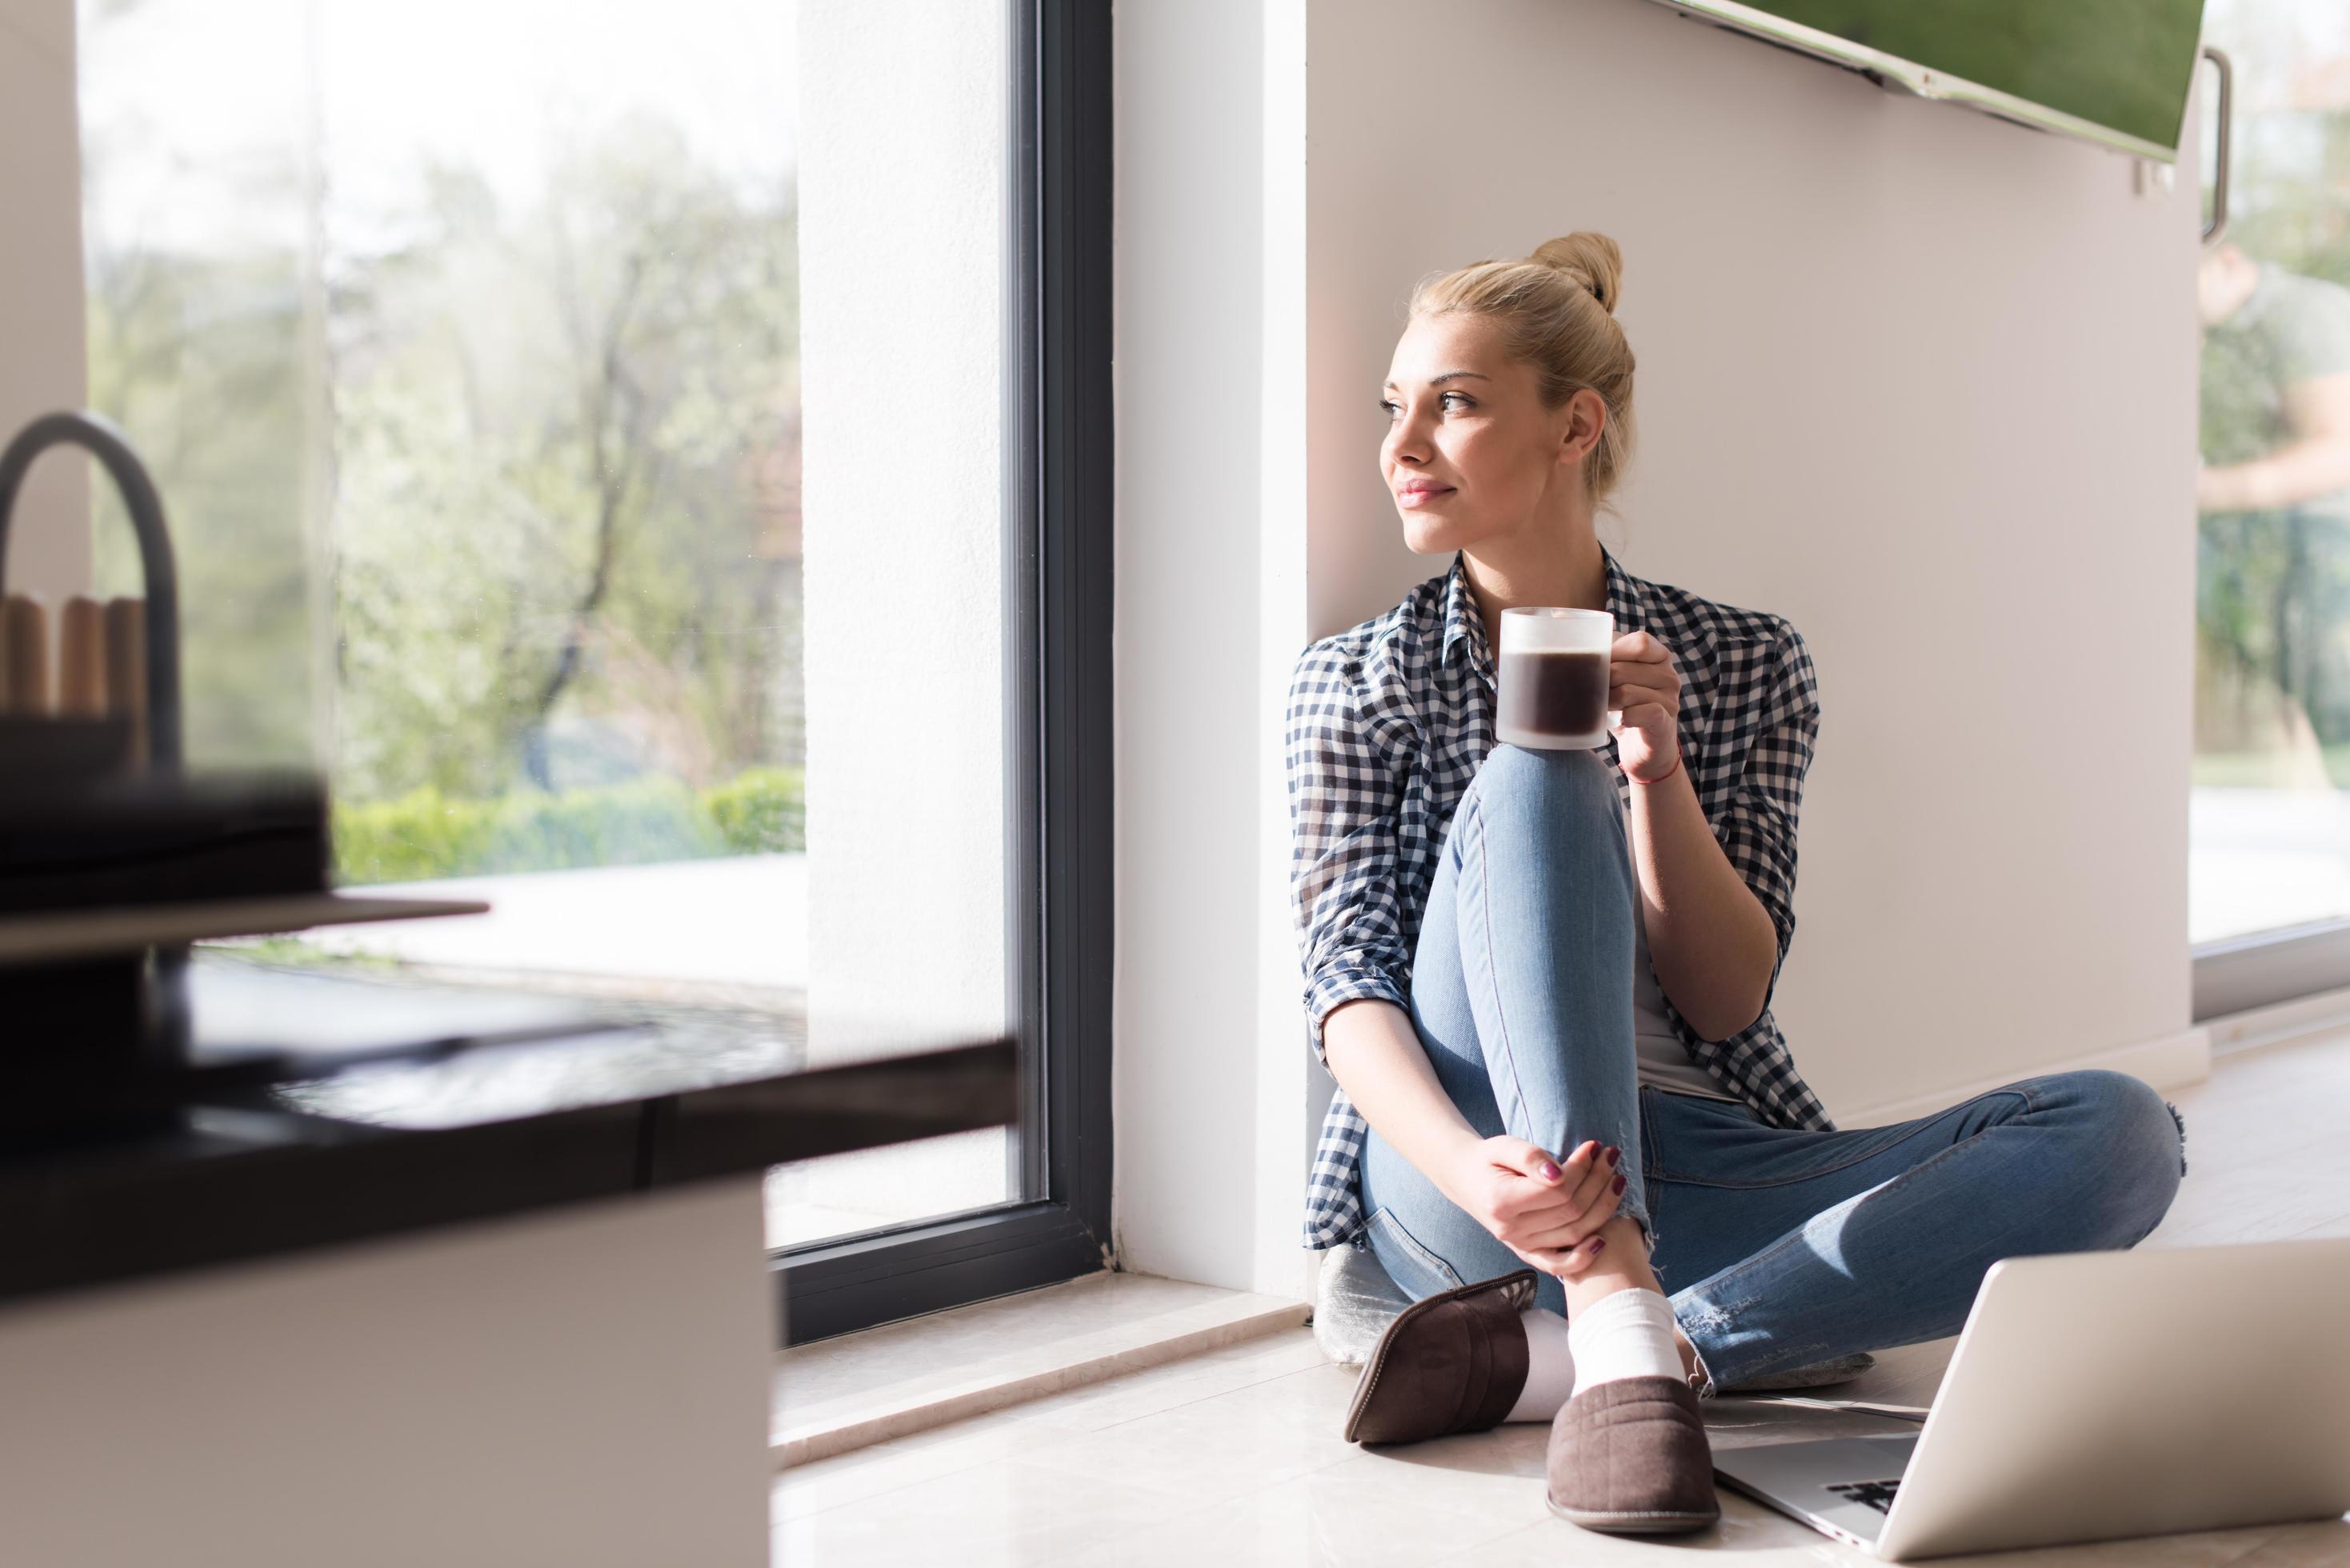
point(1462, 624)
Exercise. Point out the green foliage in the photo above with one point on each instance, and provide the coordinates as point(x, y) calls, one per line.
point(426, 834)
point(760, 812)
point(503, 481)
point(2269, 769)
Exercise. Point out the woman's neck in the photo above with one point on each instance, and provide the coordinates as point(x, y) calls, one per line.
point(1506, 573)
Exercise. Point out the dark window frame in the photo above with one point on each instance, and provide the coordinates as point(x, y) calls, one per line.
point(1057, 501)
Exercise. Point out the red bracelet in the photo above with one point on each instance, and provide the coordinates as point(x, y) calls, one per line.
point(1659, 778)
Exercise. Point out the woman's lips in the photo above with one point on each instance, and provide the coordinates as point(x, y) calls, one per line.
point(1422, 497)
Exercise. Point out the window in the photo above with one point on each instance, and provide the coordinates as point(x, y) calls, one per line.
point(655, 459)
point(2270, 820)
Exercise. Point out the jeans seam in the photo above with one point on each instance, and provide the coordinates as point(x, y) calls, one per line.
point(1493, 989)
point(1414, 1245)
point(1828, 1169)
point(1640, 1102)
point(1800, 1233)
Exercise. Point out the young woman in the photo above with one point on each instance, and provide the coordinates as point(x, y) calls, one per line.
point(1542, 978)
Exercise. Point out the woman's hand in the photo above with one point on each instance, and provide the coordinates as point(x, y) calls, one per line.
point(1645, 688)
point(1544, 1211)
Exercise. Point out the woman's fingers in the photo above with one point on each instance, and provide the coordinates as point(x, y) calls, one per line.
point(1597, 1207)
point(1533, 1198)
point(1570, 1235)
point(1639, 707)
point(1556, 1264)
point(1580, 1256)
point(1594, 1188)
point(1561, 1262)
point(1560, 1219)
point(1576, 1232)
point(1657, 677)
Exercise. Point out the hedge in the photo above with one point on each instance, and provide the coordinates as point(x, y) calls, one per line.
point(425, 834)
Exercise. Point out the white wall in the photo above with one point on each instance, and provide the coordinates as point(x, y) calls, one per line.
point(1920, 379)
point(43, 361)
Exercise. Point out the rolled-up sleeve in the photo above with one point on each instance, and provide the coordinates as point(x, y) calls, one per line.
point(1345, 797)
point(1757, 831)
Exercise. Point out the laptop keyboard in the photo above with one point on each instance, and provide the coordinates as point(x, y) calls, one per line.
point(1877, 1494)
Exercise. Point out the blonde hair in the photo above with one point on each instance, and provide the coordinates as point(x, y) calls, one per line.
point(1556, 310)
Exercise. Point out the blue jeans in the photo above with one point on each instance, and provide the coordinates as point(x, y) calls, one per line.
point(1777, 1248)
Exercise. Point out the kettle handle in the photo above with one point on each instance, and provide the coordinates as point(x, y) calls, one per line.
point(105, 441)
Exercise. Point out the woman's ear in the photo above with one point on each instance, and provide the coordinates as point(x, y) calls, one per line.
point(1586, 416)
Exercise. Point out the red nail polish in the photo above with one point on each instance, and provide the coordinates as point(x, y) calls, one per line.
point(1614, 1154)
point(1550, 1171)
point(1619, 1184)
point(1602, 1242)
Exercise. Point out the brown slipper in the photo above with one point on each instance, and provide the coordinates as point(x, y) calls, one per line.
point(1629, 1456)
point(1453, 1363)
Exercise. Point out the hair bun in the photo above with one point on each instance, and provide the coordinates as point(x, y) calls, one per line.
point(1593, 260)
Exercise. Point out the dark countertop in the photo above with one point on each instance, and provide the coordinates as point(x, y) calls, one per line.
point(395, 1146)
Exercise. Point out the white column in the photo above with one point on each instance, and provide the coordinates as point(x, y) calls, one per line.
point(1213, 1080)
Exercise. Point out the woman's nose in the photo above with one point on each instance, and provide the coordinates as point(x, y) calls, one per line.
point(1405, 441)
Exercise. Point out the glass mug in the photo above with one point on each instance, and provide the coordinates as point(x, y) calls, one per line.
point(1550, 680)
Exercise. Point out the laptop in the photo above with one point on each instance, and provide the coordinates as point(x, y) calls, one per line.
point(2086, 1402)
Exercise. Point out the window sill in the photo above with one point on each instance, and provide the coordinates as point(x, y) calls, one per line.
point(855, 1389)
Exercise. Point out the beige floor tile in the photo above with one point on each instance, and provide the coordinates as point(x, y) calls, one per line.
point(1002, 1512)
point(885, 1466)
point(1208, 1451)
point(2201, 1549)
point(2325, 1544)
point(1496, 1475)
point(1764, 1538)
point(1748, 1535)
point(1313, 1520)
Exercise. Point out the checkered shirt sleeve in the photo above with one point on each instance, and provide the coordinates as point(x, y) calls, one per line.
point(1344, 787)
point(1756, 825)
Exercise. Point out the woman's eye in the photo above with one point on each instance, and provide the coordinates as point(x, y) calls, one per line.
point(1390, 408)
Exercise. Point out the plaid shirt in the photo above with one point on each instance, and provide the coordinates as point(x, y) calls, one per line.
point(1388, 723)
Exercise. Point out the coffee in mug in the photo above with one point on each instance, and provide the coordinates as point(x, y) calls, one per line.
point(1551, 678)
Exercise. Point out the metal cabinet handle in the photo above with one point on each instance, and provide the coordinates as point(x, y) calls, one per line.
point(2223, 149)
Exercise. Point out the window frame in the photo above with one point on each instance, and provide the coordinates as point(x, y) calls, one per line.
point(1059, 496)
point(2266, 969)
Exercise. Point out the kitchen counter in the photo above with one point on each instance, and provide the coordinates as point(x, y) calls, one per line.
point(396, 1145)
point(388, 1295)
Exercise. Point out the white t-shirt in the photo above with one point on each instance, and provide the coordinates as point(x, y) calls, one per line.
point(1661, 1058)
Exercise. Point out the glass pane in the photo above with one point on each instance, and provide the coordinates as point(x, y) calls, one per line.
point(609, 472)
point(2270, 821)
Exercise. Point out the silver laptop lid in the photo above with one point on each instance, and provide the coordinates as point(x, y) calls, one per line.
point(2101, 1395)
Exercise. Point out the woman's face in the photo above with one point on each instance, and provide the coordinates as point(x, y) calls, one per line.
point(1470, 454)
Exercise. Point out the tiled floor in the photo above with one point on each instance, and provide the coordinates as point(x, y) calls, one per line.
point(1234, 1458)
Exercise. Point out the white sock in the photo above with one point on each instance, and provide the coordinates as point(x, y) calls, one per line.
point(1550, 1366)
point(1624, 1333)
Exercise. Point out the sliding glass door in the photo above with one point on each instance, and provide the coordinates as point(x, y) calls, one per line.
point(655, 457)
point(2270, 810)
